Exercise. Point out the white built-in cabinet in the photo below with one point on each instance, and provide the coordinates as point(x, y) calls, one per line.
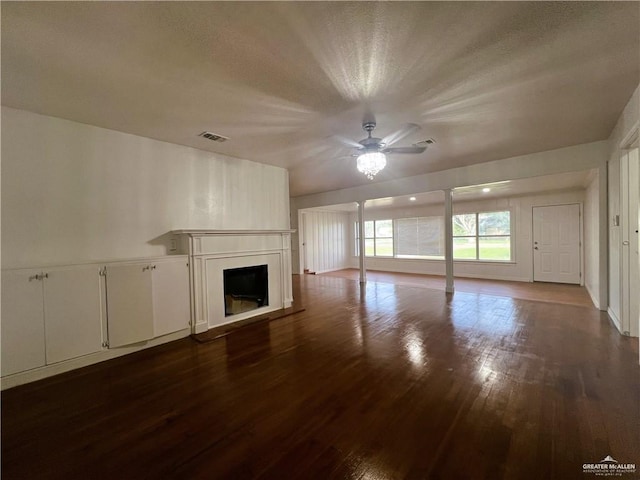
point(171, 297)
point(146, 300)
point(72, 312)
point(22, 321)
point(129, 304)
point(50, 315)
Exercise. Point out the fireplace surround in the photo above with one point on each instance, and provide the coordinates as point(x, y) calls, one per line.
point(211, 252)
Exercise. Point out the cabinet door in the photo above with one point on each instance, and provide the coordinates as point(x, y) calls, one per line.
point(170, 296)
point(73, 312)
point(22, 321)
point(129, 304)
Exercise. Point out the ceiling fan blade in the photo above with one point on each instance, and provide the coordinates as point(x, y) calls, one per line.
point(404, 150)
point(407, 129)
point(346, 141)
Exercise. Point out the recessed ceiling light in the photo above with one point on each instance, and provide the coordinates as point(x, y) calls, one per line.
point(413, 199)
point(486, 190)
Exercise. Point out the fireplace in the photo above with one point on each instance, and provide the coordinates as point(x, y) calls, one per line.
point(245, 289)
point(218, 261)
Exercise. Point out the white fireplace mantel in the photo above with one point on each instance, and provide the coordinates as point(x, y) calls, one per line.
point(212, 251)
point(205, 231)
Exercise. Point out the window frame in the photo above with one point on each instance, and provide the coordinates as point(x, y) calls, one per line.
point(477, 237)
point(375, 237)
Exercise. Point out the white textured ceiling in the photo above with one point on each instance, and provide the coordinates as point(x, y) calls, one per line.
point(486, 80)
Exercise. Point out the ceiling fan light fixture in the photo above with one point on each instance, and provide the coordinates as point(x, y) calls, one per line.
point(371, 163)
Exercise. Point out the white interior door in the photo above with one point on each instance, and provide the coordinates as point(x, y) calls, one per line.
point(556, 244)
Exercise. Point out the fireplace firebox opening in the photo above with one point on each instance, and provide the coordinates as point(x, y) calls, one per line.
point(245, 289)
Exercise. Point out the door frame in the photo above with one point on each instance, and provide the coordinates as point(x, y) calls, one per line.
point(580, 237)
point(302, 242)
point(629, 142)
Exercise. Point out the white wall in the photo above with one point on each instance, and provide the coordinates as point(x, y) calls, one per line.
point(521, 269)
point(326, 237)
point(74, 193)
point(592, 238)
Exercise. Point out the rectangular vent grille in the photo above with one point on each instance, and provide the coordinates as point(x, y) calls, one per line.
point(214, 137)
point(428, 141)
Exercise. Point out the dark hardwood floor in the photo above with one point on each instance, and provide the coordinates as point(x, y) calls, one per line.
point(392, 382)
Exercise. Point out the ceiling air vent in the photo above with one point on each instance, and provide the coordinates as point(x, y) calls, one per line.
point(428, 141)
point(214, 137)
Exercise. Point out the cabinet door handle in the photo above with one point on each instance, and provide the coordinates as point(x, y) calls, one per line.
point(144, 269)
point(39, 276)
point(153, 267)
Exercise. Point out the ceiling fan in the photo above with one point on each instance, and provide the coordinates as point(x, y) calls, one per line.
point(371, 151)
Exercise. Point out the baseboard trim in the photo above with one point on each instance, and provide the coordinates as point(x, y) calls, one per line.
point(615, 320)
point(493, 277)
point(593, 298)
point(317, 272)
point(465, 275)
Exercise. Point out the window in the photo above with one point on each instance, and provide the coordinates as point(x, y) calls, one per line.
point(378, 238)
point(482, 236)
point(421, 237)
point(383, 238)
point(476, 236)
